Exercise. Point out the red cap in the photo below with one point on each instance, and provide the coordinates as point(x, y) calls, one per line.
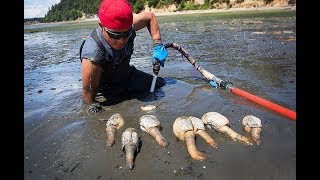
point(115, 14)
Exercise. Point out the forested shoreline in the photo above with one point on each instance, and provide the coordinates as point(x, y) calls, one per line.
point(70, 10)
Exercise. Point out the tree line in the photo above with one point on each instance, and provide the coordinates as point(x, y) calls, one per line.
point(68, 10)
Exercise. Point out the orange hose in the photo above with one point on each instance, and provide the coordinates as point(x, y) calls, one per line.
point(275, 107)
point(210, 77)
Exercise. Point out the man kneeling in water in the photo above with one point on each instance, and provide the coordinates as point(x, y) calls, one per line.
point(106, 54)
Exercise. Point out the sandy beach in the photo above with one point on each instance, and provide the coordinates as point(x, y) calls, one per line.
point(265, 8)
point(227, 10)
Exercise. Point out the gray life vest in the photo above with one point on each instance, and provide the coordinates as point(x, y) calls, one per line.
point(116, 68)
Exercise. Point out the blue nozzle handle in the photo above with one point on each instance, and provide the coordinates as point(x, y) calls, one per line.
point(214, 84)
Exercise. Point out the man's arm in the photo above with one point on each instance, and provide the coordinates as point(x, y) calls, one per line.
point(149, 20)
point(91, 75)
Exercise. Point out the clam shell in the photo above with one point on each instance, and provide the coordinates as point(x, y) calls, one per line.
point(214, 119)
point(197, 123)
point(130, 135)
point(148, 107)
point(148, 121)
point(115, 120)
point(181, 125)
point(251, 121)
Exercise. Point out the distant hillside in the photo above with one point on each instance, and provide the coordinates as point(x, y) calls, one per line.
point(69, 10)
point(32, 20)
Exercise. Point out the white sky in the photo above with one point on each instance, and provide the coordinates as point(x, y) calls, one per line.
point(37, 8)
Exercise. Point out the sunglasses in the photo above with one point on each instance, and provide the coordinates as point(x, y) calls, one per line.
point(116, 35)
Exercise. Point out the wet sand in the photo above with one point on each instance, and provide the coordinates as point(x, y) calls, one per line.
point(65, 147)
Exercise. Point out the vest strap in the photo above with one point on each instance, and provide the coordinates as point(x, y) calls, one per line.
point(95, 37)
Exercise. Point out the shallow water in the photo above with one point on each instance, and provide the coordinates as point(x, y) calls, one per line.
point(255, 51)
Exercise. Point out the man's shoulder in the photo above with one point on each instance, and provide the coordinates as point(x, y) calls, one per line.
point(90, 44)
point(91, 50)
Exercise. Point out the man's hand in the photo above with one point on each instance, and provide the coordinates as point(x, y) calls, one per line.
point(159, 54)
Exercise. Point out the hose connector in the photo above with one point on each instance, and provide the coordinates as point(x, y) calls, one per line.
point(225, 85)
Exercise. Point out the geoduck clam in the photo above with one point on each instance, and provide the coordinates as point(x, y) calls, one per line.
point(252, 125)
point(114, 122)
point(183, 130)
point(130, 145)
point(220, 123)
point(198, 128)
point(151, 125)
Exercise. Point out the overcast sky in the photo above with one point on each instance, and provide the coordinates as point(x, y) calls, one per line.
point(37, 8)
